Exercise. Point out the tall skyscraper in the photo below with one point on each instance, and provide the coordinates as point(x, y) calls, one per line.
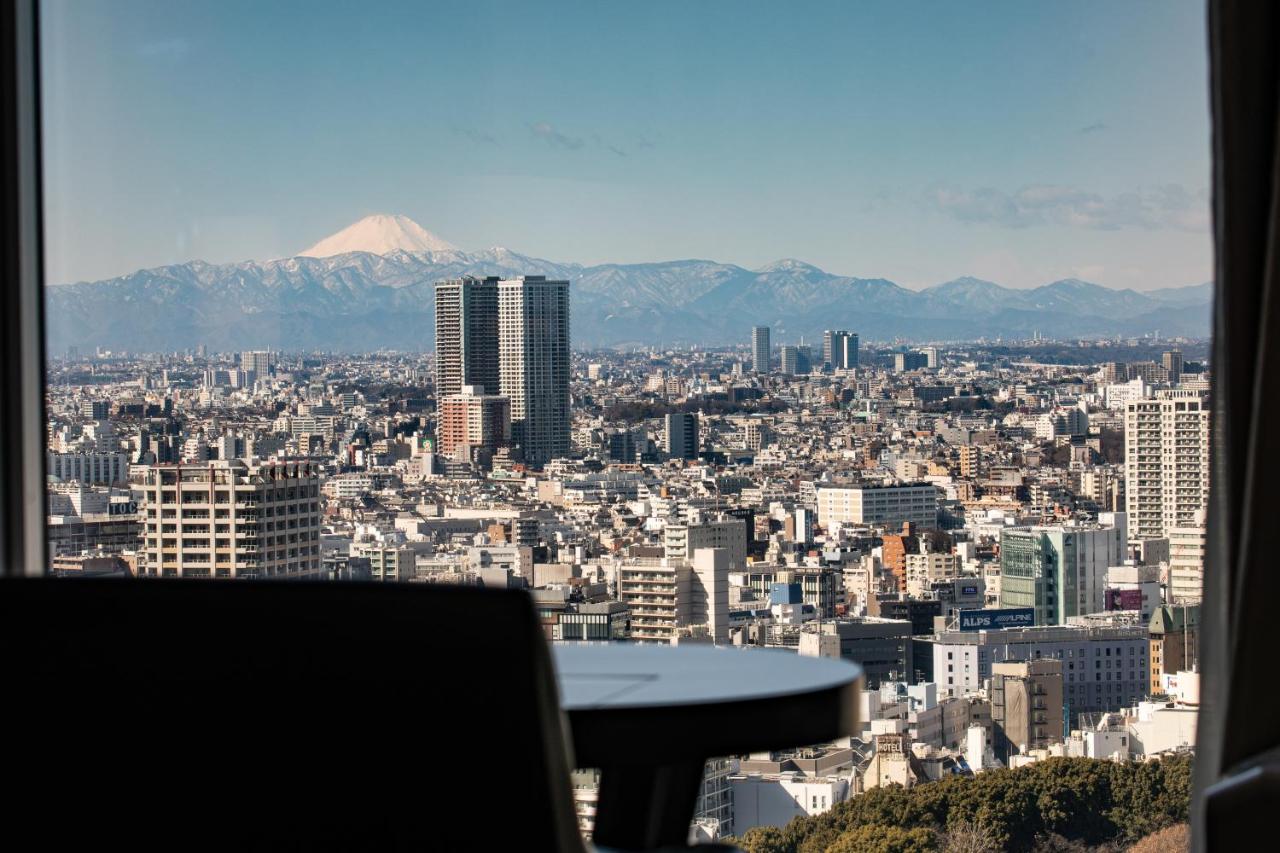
point(533, 364)
point(1171, 361)
point(760, 349)
point(466, 335)
point(849, 357)
point(1166, 443)
point(804, 359)
point(680, 440)
point(840, 349)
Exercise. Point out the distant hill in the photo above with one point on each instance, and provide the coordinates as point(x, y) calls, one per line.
point(362, 301)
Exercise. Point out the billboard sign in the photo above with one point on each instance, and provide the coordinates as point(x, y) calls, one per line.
point(994, 620)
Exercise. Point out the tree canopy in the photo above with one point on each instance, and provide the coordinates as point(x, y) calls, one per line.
point(1058, 804)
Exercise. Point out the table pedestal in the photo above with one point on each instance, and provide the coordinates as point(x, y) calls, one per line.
point(643, 807)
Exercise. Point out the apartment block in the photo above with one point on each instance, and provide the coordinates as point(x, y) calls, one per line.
point(474, 419)
point(466, 335)
point(533, 364)
point(1026, 706)
point(1166, 462)
point(760, 349)
point(231, 519)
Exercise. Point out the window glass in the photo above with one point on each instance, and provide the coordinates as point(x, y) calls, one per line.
point(862, 330)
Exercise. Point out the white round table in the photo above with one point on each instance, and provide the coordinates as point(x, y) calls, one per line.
point(649, 717)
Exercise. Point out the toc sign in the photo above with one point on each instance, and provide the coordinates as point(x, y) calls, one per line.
point(983, 620)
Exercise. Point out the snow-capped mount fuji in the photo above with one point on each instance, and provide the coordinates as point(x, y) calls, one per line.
point(372, 286)
point(380, 234)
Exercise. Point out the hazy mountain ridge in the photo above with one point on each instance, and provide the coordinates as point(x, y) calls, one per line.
point(365, 301)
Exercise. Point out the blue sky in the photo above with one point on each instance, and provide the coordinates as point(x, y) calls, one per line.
point(1020, 142)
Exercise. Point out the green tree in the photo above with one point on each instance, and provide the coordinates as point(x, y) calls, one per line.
point(877, 838)
point(762, 839)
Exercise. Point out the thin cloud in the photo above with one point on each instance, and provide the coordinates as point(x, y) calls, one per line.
point(544, 130)
point(1093, 128)
point(607, 146)
point(1168, 207)
point(476, 135)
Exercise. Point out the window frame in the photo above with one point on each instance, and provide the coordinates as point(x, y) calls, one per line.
point(23, 543)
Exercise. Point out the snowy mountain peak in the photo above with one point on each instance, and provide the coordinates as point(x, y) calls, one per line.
point(788, 265)
point(380, 234)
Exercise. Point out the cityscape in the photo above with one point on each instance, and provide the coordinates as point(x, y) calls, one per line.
point(1008, 536)
point(828, 389)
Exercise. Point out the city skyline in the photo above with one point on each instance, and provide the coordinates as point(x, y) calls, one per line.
point(1025, 145)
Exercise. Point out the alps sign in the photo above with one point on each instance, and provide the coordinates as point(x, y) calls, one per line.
point(992, 620)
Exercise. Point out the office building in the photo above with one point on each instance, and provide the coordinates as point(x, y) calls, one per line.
point(903, 361)
point(817, 587)
point(788, 360)
point(261, 363)
point(931, 357)
point(849, 351)
point(804, 359)
point(1171, 361)
point(474, 419)
point(99, 519)
point(803, 521)
point(879, 505)
point(882, 647)
point(709, 593)
point(1026, 706)
point(533, 364)
point(1061, 571)
point(680, 437)
point(596, 621)
point(682, 541)
point(840, 349)
point(1105, 667)
point(94, 468)
point(760, 350)
point(622, 446)
point(466, 335)
point(1166, 462)
point(231, 519)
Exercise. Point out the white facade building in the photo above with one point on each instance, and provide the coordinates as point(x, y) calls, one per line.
point(533, 356)
point(1166, 462)
point(879, 505)
point(231, 519)
point(1186, 562)
point(709, 593)
point(93, 468)
point(773, 799)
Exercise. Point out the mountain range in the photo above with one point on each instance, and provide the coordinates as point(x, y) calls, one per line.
point(370, 287)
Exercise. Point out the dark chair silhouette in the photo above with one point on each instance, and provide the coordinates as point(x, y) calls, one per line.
point(207, 715)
